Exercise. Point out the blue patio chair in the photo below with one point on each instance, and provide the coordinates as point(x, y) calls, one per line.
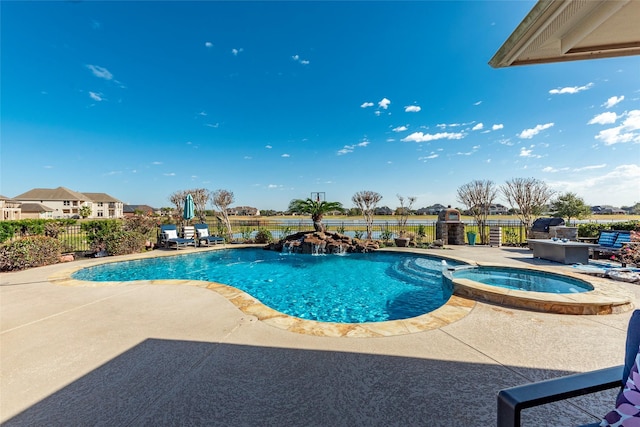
point(169, 237)
point(512, 401)
point(205, 238)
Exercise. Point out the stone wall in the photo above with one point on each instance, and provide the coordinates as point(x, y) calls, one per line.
point(561, 232)
point(319, 243)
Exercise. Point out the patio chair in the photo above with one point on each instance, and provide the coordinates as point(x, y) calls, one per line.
point(169, 237)
point(610, 242)
point(204, 237)
point(512, 401)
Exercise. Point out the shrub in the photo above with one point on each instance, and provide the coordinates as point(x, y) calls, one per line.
point(263, 236)
point(124, 242)
point(98, 231)
point(7, 230)
point(30, 251)
point(142, 224)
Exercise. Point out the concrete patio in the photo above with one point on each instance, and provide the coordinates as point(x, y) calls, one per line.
point(149, 354)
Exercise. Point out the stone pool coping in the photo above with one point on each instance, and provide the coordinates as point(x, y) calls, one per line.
point(466, 292)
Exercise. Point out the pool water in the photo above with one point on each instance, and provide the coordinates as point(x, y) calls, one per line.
point(523, 280)
point(352, 288)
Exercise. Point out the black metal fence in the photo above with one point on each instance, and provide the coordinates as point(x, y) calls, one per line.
point(423, 231)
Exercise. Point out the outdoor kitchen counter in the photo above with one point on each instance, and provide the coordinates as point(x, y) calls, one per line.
point(568, 252)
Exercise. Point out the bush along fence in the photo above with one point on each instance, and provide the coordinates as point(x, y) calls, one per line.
point(136, 234)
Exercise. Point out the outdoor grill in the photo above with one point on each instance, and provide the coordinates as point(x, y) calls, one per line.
point(542, 224)
point(547, 228)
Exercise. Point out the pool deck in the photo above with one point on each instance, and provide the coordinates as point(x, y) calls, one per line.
point(178, 353)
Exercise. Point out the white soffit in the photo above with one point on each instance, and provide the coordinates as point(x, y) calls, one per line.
point(568, 30)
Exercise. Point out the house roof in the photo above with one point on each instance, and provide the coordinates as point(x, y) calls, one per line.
point(133, 208)
point(60, 193)
point(101, 197)
point(34, 208)
point(568, 30)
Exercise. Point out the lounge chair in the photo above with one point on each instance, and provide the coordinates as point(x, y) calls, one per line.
point(610, 242)
point(169, 237)
point(512, 401)
point(205, 238)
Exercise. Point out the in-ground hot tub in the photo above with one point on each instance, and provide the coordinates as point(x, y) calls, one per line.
point(535, 289)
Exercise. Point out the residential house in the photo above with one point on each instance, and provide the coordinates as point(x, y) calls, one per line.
point(131, 210)
point(244, 211)
point(431, 210)
point(9, 209)
point(384, 210)
point(65, 203)
point(36, 211)
point(606, 210)
point(105, 206)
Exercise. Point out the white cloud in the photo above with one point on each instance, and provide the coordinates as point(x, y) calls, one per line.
point(96, 96)
point(212, 125)
point(366, 104)
point(235, 52)
point(613, 101)
point(286, 155)
point(524, 152)
point(426, 137)
point(350, 148)
point(100, 72)
point(377, 112)
point(412, 109)
point(384, 103)
point(270, 186)
point(617, 187)
point(477, 103)
point(570, 89)
point(169, 174)
point(400, 128)
point(627, 131)
point(530, 133)
point(592, 167)
point(202, 113)
point(268, 146)
point(247, 157)
point(208, 44)
point(479, 126)
point(604, 118)
point(157, 163)
point(497, 127)
point(429, 157)
point(298, 59)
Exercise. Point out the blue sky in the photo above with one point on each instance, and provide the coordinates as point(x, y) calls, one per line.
point(275, 100)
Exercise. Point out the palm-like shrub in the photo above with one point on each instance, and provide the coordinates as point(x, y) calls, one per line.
point(316, 208)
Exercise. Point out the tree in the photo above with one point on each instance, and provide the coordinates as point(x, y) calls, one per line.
point(528, 196)
point(316, 209)
point(366, 201)
point(221, 200)
point(177, 198)
point(478, 196)
point(569, 205)
point(200, 198)
point(85, 211)
point(404, 212)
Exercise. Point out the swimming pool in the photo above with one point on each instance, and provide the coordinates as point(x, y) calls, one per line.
point(522, 279)
point(354, 288)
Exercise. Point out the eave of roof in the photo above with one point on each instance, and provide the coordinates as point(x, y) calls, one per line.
point(568, 30)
